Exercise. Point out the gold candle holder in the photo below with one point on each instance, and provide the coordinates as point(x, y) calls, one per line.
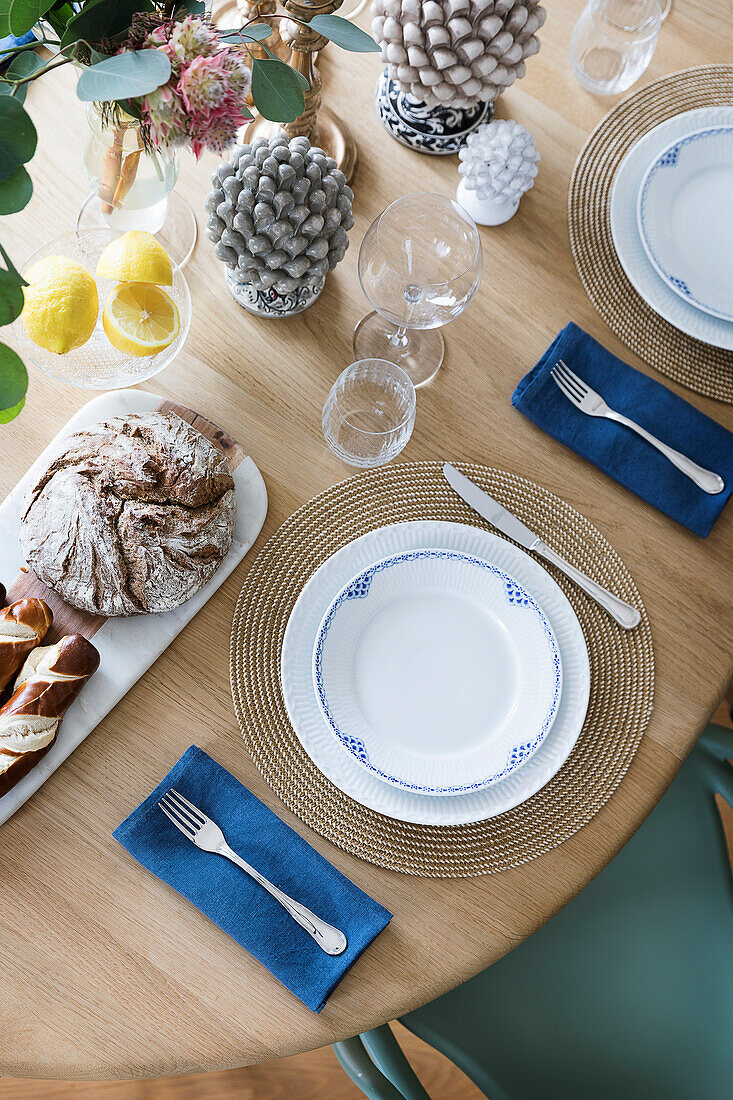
point(261, 11)
point(317, 123)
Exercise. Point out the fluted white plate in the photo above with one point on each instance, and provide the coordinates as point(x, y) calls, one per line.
point(339, 767)
point(627, 239)
point(685, 218)
point(437, 671)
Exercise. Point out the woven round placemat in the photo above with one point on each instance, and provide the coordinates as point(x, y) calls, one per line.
point(698, 366)
point(621, 662)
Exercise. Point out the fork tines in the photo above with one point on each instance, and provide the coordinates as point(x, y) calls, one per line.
point(568, 381)
point(182, 813)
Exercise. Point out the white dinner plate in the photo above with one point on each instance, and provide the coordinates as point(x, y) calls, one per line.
point(340, 767)
point(437, 671)
point(685, 218)
point(627, 239)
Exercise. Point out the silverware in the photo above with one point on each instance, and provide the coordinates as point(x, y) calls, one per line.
point(624, 614)
point(580, 394)
point(207, 835)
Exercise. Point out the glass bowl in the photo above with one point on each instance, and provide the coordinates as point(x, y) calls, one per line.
point(97, 365)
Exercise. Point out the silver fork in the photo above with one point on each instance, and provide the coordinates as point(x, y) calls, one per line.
point(206, 834)
point(580, 394)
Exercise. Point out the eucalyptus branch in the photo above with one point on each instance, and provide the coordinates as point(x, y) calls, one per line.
point(54, 64)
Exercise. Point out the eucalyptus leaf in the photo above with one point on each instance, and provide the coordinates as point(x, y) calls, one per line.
point(190, 7)
point(11, 297)
point(24, 14)
point(17, 136)
point(15, 193)
point(100, 19)
point(13, 383)
point(11, 268)
point(344, 34)
point(4, 21)
point(258, 32)
point(124, 76)
point(22, 65)
point(277, 90)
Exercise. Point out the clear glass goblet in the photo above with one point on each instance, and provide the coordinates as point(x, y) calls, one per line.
point(370, 413)
point(420, 265)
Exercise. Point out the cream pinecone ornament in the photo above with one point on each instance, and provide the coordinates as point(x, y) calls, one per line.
point(498, 164)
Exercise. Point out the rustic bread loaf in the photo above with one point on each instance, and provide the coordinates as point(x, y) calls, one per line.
point(134, 515)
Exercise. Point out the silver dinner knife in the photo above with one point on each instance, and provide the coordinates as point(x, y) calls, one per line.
point(624, 614)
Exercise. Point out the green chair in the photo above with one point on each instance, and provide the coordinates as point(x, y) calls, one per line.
point(626, 994)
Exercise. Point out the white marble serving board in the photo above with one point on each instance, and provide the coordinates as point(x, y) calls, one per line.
point(127, 646)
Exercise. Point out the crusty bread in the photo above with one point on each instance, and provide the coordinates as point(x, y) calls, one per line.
point(47, 685)
point(134, 515)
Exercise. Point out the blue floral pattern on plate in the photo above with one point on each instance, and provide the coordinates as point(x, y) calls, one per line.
point(515, 594)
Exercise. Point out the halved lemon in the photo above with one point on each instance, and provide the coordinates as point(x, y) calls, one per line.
point(140, 319)
point(136, 257)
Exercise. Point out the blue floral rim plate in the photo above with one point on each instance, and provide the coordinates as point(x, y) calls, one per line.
point(685, 218)
point(437, 671)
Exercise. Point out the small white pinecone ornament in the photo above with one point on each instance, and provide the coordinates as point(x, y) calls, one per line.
point(279, 217)
point(498, 164)
point(456, 53)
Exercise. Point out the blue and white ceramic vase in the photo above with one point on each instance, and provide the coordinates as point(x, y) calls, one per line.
point(439, 131)
point(267, 302)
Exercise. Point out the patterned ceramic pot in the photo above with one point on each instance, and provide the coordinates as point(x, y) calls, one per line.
point(268, 302)
point(440, 131)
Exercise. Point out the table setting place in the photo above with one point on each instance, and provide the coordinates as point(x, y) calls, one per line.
point(439, 666)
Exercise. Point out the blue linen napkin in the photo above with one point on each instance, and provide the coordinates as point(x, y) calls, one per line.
point(232, 899)
point(617, 450)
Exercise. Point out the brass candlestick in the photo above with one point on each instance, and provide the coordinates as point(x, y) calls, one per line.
point(317, 123)
point(260, 11)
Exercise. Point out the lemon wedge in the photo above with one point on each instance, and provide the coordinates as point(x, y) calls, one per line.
point(140, 319)
point(136, 257)
point(60, 304)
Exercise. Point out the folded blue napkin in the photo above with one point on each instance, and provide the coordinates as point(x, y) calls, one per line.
point(616, 449)
point(232, 899)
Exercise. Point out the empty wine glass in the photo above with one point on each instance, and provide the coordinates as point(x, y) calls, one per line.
point(420, 265)
point(370, 413)
point(613, 42)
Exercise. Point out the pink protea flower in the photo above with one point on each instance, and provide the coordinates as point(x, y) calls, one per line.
point(193, 38)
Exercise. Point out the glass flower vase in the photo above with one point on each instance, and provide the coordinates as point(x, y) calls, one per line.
point(131, 186)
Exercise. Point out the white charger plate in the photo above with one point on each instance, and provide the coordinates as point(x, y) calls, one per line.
point(627, 239)
point(339, 767)
point(437, 671)
point(685, 218)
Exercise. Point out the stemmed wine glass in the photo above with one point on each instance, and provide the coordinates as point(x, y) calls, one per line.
point(420, 265)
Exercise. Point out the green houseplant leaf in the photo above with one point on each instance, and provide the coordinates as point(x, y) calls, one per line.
point(17, 136)
point(344, 34)
point(22, 65)
point(13, 384)
point(100, 19)
point(15, 193)
point(124, 76)
point(277, 90)
point(24, 14)
point(11, 297)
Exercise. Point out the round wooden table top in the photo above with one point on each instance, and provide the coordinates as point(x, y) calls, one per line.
point(106, 972)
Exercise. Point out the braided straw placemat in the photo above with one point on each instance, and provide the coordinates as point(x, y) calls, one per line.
point(621, 663)
point(701, 367)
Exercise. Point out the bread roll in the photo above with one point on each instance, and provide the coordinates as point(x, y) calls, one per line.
point(49, 681)
point(23, 626)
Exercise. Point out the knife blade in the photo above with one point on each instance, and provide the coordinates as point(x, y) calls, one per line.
point(625, 615)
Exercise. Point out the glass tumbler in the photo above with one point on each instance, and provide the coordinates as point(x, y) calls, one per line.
point(420, 265)
point(613, 42)
point(370, 413)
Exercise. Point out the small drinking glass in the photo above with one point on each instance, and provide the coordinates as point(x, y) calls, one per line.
point(420, 265)
point(370, 413)
point(613, 42)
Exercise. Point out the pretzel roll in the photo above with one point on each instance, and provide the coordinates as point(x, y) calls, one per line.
point(23, 626)
point(49, 681)
point(3, 593)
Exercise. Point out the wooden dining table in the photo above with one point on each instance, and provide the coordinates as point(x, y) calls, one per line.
point(105, 971)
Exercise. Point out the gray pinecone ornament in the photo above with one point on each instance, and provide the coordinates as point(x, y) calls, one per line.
point(455, 53)
point(279, 214)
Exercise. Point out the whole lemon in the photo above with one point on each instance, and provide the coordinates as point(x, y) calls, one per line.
point(60, 304)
